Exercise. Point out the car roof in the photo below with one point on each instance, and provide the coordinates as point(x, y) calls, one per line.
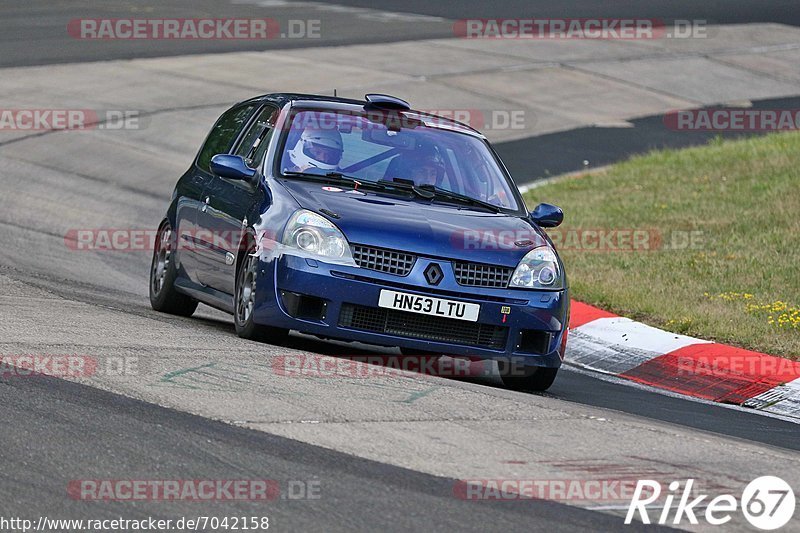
point(335, 103)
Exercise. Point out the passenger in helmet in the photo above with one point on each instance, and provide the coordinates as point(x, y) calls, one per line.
point(423, 166)
point(317, 148)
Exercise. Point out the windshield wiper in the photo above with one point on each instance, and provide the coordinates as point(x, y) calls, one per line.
point(330, 176)
point(450, 195)
point(407, 185)
point(427, 192)
point(338, 177)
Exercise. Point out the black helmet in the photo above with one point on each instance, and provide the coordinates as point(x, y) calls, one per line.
point(423, 165)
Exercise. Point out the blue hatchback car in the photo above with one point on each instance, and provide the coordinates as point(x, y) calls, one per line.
point(365, 221)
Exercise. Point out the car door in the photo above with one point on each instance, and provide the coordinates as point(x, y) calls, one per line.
point(192, 243)
point(190, 198)
point(230, 202)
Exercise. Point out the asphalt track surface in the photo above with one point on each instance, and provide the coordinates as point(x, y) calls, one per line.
point(33, 32)
point(144, 441)
point(57, 430)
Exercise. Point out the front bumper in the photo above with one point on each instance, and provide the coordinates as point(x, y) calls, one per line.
point(529, 325)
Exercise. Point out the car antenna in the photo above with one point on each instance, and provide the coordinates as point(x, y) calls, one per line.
point(334, 93)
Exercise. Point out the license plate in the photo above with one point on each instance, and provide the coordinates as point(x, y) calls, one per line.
point(425, 305)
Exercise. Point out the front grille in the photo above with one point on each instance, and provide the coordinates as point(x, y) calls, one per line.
point(417, 326)
point(382, 260)
point(480, 275)
point(431, 290)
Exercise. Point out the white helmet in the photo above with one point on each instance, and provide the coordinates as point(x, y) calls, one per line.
point(321, 148)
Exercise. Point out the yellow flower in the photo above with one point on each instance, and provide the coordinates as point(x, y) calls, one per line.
point(779, 313)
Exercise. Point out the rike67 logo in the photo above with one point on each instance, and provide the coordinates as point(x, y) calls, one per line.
point(767, 502)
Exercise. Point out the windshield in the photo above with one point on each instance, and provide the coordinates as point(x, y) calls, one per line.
point(395, 147)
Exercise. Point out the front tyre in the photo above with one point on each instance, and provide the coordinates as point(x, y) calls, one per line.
point(244, 305)
point(537, 379)
point(163, 296)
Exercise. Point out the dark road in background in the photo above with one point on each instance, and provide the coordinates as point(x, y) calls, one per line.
point(35, 32)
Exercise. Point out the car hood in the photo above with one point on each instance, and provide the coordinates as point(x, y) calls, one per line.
point(389, 221)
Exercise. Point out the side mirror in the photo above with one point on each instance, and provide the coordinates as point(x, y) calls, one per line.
point(547, 215)
point(232, 167)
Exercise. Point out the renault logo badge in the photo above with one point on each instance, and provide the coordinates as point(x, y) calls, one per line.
point(433, 274)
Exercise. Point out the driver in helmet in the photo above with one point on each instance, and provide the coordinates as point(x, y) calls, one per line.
point(423, 166)
point(317, 148)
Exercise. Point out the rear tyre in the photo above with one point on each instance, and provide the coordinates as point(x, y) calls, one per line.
point(244, 303)
point(163, 296)
point(537, 379)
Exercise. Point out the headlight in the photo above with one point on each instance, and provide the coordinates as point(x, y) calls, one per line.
point(538, 270)
point(313, 234)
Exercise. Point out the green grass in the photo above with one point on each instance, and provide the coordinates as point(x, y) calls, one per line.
point(740, 285)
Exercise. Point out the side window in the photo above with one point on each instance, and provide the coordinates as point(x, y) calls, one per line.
point(223, 134)
point(255, 142)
